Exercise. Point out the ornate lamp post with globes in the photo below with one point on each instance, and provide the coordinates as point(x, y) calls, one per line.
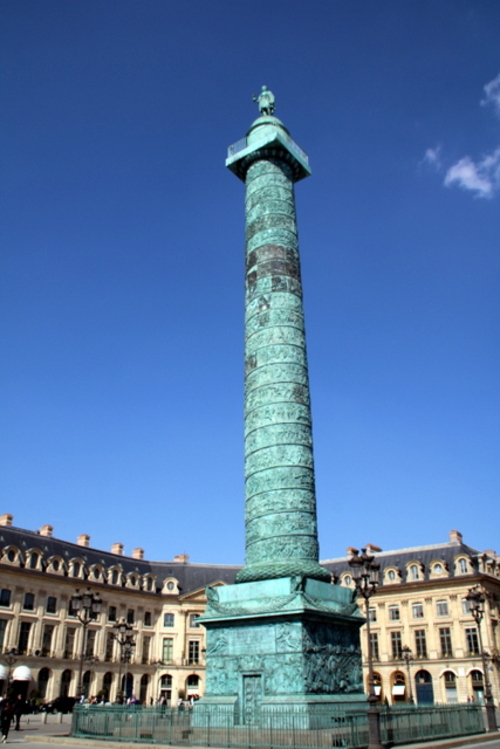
point(475, 600)
point(125, 639)
point(408, 657)
point(86, 606)
point(365, 573)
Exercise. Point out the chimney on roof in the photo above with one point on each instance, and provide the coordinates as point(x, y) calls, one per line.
point(455, 537)
point(372, 549)
point(351, 551)
point(83, 539)
point(117, 549)
point(183, 558)
point(6, 518)
point(138, 553)
point(46, 530)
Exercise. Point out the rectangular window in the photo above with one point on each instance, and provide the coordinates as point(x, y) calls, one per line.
point(372, 614)
point(90, 643)
point(442, 608)
point(147, 618)
point(445, 642)
point(193, 621)
point(168, 620)
point(51, 605)
point(48, 632)
point(69, 644)
point(3, 627)
point(130, 616)
point(146, 643)
point(194, 652)
point(420, 643)
point(472, 641)
point(108, 654)
point(396, 646)
point(168, 650)
point(29, 602)
point(4, 597)
point(71, 608)
point(417, 610)
point(112, 614)
point(465, 607)
point(24, 636)
point(374, 644)
point(394, 613)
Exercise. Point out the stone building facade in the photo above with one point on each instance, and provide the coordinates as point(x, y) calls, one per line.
point(162, 601)
point(420, 604)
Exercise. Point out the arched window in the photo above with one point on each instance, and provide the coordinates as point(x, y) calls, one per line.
point(143, 693)
point(165, 695)
point(128, 685)
point(450, 685)
point(65, 682)
point(192, 681)
point(43, 680)
point(424, 688)
point(76, 569)
point(414, 572)
point(477, 684)
point(106, 685)
point(33, 560)
point(87, 678)
point(463, 567)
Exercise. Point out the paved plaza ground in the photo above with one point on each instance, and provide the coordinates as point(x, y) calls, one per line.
point(35, 734)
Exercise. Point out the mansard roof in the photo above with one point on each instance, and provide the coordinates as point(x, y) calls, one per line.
point(190, 576)
point(399, 559)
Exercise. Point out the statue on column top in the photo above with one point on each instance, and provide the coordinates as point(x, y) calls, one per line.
point(265, 100)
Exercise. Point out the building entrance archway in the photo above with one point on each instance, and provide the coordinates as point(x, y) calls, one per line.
point(423, 688)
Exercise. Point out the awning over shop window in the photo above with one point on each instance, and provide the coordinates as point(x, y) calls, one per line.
point(398, 689)
point(21, 673)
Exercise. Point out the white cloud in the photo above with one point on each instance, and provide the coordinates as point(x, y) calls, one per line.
point(471, 176)
point(492, 91)
point(433, 157)
point(480, 177)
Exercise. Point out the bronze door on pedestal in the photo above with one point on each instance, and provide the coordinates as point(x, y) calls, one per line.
point(252, 696)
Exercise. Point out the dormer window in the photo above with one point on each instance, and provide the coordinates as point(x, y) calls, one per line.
point(463, 566)
point(414, 572)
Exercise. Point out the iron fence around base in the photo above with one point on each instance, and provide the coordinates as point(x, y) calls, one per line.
point(277, 728)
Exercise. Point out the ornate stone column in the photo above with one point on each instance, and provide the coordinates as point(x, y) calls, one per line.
point(281, 532)
point(283, 637)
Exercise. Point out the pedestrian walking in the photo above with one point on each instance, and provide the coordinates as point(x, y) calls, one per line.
point(6, 715)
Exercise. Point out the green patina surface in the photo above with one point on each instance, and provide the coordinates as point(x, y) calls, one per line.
point(282, 635)
point(281, 533)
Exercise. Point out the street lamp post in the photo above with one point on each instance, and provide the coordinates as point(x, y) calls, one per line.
point(125, 639)
point(365, 573)
point(408, 656)
point(475, 601)
point(10, 657)
point(86, 606)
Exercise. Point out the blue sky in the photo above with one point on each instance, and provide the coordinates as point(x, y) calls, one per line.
point(122, 259)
